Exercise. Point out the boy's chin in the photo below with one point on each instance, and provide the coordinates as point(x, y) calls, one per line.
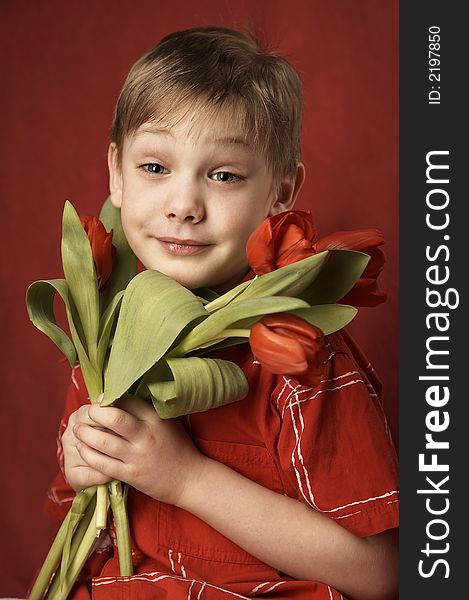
point(215, 284)
point(206, 280)
point(193, 282)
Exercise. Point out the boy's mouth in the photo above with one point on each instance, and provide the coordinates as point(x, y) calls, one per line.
point(184, 247)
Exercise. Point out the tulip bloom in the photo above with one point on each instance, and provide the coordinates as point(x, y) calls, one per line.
point(366, 291)
point(280, 240)
point(288, 345)
point(101, 247)
point(290, 236)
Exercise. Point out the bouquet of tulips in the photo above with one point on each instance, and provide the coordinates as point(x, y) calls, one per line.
point(147, 335)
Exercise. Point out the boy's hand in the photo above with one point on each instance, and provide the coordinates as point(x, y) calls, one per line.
point(78, 473)
point(134, 445)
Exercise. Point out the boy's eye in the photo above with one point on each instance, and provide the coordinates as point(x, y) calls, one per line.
point(225, 177)
point(154, 168)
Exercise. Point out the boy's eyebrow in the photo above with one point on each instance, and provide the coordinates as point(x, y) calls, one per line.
point(230, 141)
point(225, 140)
point(150, 129)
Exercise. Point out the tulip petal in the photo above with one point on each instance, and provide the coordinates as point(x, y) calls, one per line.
point(277, 353)
point(259, 248)
point(293, 324)
point(273, 243)
point(375, 265)
point(288, 345)
point(356, 239)
point(365, 293)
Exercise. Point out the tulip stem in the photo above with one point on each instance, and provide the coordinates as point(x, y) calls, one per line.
point(77, 511)
point(102, 504)
point(44, 578)
point(83, 544)
point(118, 500)
point(46, 572)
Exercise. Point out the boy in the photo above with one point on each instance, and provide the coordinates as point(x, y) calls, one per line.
point(290, 492)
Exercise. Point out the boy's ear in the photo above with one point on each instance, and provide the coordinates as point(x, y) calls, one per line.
point(288, 191)
point(115, 175)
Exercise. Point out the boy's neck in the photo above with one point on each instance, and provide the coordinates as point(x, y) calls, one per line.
point(240, 278)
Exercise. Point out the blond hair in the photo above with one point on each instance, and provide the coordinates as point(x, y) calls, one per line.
point(216, 72)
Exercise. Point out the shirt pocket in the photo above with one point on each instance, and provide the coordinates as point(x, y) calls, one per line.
point(180, 531)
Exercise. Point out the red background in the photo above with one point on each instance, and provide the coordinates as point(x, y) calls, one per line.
point(62, 66)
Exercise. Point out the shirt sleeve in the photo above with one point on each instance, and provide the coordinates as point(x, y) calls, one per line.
point(334, 446)
point(60, 494)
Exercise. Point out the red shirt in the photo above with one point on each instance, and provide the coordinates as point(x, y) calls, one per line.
point(329, 447)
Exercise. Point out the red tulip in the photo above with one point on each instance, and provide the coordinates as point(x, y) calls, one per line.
point(280, 240)
point(366, 291)
point(288, 345)
point(290, 236)
point(101, 247)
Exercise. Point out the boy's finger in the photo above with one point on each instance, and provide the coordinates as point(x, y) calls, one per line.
point(111, 467)
point(117, 420)
point(136, 406)
point(86, 476)
point(82, 416)
point(102, 440)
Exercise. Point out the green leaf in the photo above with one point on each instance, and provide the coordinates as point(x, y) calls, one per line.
point(224, 299)
point(124, 265)
point(199, 384)
point(206, 295)
point(337, 277)
point(79, 271)
point(39, 300)
point(287, 281)
point(290, 280)
point(155, 309)
point(212, 327)
point(40, 304)
point(107, 323)
point(328, 317)
point(158, 372)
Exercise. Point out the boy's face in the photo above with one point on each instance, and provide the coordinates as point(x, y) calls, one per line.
point(190, 196)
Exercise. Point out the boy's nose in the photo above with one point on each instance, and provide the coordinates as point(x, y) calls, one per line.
point(185, 205)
